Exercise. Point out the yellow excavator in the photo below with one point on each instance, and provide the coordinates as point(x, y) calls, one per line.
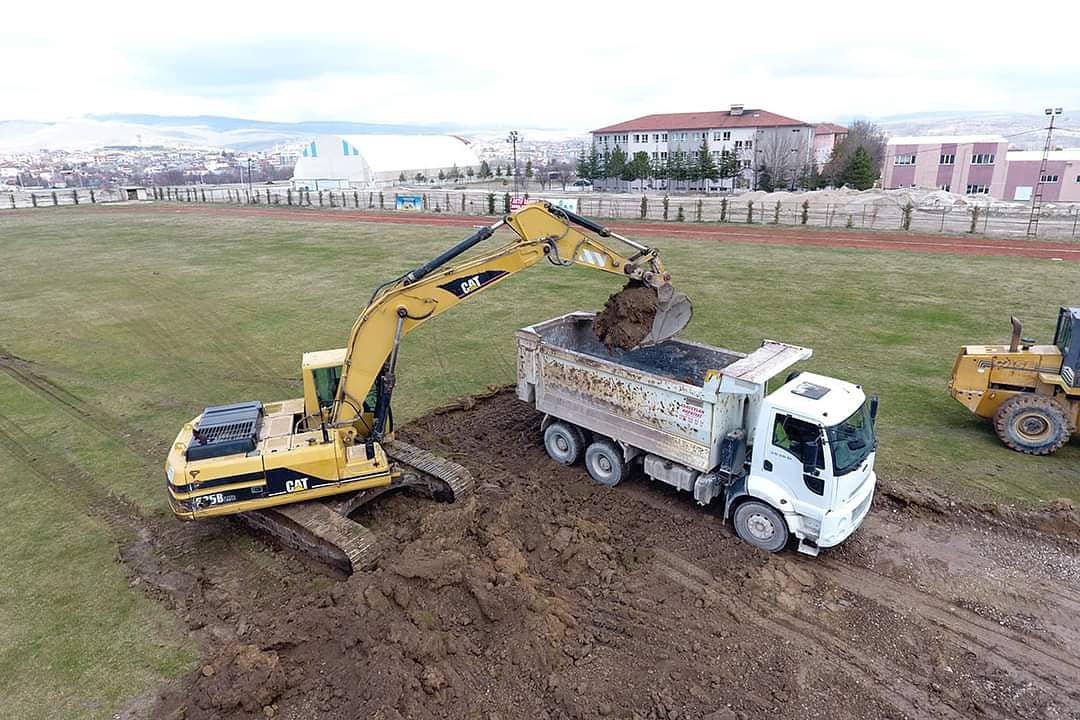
point(1030, 391)
point(297, 468)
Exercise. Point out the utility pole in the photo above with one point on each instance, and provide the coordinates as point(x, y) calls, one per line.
point(513, 140)
point(250, 190)
point(1036, 196)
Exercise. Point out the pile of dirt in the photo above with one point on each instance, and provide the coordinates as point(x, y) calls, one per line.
point(627, 317)
point(547, 596)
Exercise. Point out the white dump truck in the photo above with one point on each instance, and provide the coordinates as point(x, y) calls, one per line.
point(796, 462)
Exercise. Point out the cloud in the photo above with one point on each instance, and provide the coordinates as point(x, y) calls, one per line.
point(560, 64)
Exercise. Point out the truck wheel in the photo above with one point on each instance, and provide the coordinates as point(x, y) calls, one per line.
point(1033, 424)
point(563, 442)
point(760, 525)
point(604, 461)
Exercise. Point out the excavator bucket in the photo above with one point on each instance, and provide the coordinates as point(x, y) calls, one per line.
point(640, 316)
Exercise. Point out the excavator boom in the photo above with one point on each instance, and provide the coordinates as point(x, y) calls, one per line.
point(298, 468)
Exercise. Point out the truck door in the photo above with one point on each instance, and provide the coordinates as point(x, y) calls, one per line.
point(795, 457)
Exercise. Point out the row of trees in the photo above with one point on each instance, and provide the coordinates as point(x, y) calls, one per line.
point(678, 167)
point(776, 164)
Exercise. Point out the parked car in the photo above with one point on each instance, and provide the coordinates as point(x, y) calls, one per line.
point(580, 186)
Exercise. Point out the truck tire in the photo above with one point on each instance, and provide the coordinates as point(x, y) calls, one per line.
point(1033, 424)
point(761, 526)
point(604, 461)
point(564, 442)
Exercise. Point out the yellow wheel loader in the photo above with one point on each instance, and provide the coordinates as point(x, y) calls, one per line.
point(1031, 392)
point(299, 467)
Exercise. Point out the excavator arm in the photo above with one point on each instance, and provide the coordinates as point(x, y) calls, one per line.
point(400, 306)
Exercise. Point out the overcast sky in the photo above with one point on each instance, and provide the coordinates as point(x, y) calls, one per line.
point(573, 65)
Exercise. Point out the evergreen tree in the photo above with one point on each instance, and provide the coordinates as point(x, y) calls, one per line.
point(595, 167)
point(442, 175)
point(706, 167)
point(676, 167)
point(455, 172)
point(528, 169)
point(860, 173)
point(641, 168)
point(469, 172)
point(401, 177)
point(498, 171)
point(729, 165)
point(764, 179)
point(485, 169)
point(583, 165)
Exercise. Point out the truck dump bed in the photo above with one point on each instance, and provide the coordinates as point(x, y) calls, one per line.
point(669, 399)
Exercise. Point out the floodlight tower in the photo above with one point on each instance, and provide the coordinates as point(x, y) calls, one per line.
point(1036, 197)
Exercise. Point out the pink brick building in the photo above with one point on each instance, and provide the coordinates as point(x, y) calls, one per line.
point(968, 165)
point(1061, 180)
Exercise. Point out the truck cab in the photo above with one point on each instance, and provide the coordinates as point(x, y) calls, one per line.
point(812, 458)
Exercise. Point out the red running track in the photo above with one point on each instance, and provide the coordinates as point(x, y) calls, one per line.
point(721, 233)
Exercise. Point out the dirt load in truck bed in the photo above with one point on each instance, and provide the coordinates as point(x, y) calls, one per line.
point(546, 596)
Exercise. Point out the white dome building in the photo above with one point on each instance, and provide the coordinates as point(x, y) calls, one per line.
point(331, 162)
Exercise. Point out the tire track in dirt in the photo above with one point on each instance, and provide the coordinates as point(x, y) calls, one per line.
point(227, 346)
point(983, 637)
point(885, 678)
point(88, 414)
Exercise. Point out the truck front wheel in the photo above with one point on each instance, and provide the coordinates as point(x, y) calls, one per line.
point(604, 461)
point(760, 525)
point(563, 442)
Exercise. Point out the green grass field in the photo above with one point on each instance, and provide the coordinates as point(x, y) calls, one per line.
point(139, 321)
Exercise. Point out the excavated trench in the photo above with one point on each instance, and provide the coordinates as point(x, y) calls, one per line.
point(545, 596)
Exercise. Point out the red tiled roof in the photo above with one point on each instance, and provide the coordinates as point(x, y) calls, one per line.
point(702, 121)
point(829, 129)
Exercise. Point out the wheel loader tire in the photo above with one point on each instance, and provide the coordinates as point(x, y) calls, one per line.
point(604, 461)
point(564, 442)
point(1033, 424)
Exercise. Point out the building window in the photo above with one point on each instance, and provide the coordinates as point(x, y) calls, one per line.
point(663, 137)
point(654, 156)
point(656, 137)
point(982, 159)
point(695, 155)
point(1078, 178)
point(978, 189)
point(946, 187)
point(746, 164)
point(1049, 179)
point(716, 137)
point(908, 159)
point(750, 144)
point(663, 156)
point(796, 129)
point(727, 136)
point(738, 144)
point(947, 159)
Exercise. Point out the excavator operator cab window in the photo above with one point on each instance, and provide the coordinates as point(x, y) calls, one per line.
point(326, 384)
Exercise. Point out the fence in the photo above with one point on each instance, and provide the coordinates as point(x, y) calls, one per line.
point(1059, 223)
point(58, 197)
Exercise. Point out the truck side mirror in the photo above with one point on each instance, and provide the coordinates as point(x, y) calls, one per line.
point(873, 408)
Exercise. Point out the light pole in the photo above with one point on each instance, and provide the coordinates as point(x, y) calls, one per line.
point(1036, 197)
point(513, 140)
point(250, 190)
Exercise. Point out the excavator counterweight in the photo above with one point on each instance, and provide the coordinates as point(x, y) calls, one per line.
point(299, 467)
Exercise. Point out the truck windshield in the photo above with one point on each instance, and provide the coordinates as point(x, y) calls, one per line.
point(852, 440)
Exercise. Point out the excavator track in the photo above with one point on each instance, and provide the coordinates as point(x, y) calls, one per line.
point(448, 480)
point(313, 527)
point(322, 528)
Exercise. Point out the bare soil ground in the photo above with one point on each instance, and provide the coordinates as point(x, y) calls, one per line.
point(545, 596)
point(731, 232)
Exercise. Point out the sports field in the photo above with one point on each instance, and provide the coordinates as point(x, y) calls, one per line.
point(118, 327)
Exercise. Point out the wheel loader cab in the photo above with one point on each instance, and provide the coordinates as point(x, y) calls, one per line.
point(1067, 340)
